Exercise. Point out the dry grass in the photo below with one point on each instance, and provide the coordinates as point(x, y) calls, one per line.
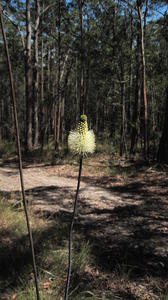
point(50, 238)
point(106, 266)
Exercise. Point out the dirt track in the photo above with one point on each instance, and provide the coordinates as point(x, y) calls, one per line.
point(126, 221)
point(48, 191)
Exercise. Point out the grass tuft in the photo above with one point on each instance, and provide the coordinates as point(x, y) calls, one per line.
point(50, 239)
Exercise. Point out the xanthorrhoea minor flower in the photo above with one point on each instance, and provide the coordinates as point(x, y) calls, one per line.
point(81, 140)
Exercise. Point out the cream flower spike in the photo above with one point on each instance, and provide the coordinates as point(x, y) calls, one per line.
point(81, 140)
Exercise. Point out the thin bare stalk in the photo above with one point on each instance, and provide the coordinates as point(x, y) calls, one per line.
point(19, 151)
point(70, 232)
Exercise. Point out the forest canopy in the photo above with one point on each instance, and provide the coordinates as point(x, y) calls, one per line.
point(107, 59)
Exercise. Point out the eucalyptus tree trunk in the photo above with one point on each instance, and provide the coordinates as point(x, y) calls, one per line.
point(123, 122)
point(162, 155)
point(81, 90)
point(97, 115)
point(42, 86)
point(54, 105)
point(112, 107)
point(28, 77)
point(137, 98)
point(36, 74)
point(57, 141)
point(88, 71)
point(1, 118)
point(129, 114)
point(47, 109)
point(42, 69)
point(76, 91)
point(62, 119)
point(139, 6)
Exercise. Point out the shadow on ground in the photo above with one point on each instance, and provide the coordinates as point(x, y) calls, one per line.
point(127, 238)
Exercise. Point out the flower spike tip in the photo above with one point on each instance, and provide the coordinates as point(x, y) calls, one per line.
point(81, 140)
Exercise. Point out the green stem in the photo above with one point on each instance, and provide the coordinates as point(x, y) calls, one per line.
point(70, 231)
point(19, 152)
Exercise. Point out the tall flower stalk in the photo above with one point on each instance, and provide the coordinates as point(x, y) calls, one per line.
point(80, 141)
point(19, 152)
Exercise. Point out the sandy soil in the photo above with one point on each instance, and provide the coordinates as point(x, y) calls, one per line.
point(124, 218)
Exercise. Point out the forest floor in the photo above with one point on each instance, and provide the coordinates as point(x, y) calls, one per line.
point(121, 218)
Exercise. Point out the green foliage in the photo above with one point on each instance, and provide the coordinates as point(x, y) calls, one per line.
point(110, 57)
point(7, 149)
point(104, 145)
point(10, 219)
point(82, 257)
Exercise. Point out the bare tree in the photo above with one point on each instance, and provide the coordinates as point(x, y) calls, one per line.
point(36, 73)
point(137, 97)
point(139, 7)
point(81, 91)
point(57, 141)
point(28, 77)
